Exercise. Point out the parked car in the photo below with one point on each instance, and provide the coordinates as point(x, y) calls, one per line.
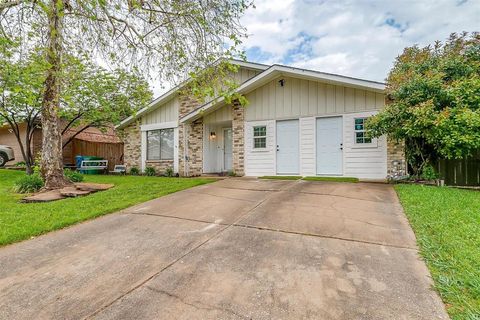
point(6, 154)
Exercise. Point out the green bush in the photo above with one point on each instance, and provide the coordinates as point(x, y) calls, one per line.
point(428, 173)
point(134, 171)
point(150, 171)
point(73, 176)
point(169, 172)
point(28, 184)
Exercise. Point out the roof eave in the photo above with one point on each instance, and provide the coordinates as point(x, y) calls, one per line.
point(279, 70)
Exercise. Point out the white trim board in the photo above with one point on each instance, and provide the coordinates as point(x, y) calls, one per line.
point(158, 126)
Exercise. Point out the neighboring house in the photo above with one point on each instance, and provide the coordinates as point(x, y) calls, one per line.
point(91, 142)
point(297, 122)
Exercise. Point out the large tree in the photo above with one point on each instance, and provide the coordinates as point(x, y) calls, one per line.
point(434, 105)
point(166, 37)
point(91, 95)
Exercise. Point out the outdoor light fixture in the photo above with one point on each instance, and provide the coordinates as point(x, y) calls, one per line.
point(282, 82)
point(212, 135)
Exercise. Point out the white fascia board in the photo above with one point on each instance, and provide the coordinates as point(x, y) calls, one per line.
point(158, 126)
point(331, 78)
point(250, 65)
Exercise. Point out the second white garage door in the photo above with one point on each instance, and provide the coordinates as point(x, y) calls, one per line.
point(329, 146)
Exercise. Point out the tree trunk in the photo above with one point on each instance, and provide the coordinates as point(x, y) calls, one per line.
point(52, 160)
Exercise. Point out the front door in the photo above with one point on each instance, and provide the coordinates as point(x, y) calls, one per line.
point(329, 146)
point(288, 147)
point(227, 149)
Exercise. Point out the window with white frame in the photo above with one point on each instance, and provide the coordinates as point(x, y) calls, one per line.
point(259, 137)
point(360, 132)
point(160, 144)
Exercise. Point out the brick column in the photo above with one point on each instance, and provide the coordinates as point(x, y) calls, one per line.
point(238, 137)
point(132, 146)
point(191, 160)
point(396, 164)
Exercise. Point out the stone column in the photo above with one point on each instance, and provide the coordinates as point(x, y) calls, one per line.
point(132, 146)
point(190, 144)
point(238, 137)
point(396, 163)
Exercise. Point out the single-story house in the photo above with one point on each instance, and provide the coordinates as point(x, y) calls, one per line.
point(91, 142)
point(297, 122)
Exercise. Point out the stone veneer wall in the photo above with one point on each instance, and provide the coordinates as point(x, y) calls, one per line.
point(190, 164)
point(132, 147)
point(396, 164)
point(238, 137)
point(160, 165)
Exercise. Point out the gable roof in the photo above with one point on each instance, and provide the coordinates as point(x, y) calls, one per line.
point(171, 93)
point(267, 74)
point(277, 70)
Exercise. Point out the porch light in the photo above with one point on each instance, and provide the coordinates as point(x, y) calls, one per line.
point(212, 135)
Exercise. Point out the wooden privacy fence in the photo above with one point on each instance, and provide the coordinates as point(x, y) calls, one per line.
point(113, 152)
point(462, 172)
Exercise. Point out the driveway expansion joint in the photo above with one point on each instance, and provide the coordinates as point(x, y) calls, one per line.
point(216, 234)
point(239, 225)
point(196, 305)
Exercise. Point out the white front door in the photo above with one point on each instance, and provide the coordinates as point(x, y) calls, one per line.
point(329, 146)
point(287, 147)
point(227, 149)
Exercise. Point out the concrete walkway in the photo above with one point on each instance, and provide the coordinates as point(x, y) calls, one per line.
point(235, 249)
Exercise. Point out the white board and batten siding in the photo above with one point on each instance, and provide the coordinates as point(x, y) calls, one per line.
point(166, 112)
point(368, 161)
point(260, 162)
point(303, 98)
point(307, 101)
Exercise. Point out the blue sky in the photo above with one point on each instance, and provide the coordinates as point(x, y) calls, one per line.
point(354, 38)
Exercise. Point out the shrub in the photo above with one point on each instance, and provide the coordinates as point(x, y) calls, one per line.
point(20, 164)
point(28, 184)
point(150, 171)
point(169, 172)
point(428, 173)
point(73, 176)
point(231, 173)
point(134, 171)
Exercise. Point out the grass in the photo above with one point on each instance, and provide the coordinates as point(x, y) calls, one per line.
point(332, 179)
point(446, 222)
point(281, 177)
point(19, 221)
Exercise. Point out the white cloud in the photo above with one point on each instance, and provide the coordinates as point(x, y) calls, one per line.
point(353, 38)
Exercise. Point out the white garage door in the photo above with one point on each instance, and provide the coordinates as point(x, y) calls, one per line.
point(287, 147)
point(329, 146)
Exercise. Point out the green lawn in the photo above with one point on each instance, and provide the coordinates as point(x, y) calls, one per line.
point(281, 177)
point(446, 222)
point(19, 221)
point(331, 179)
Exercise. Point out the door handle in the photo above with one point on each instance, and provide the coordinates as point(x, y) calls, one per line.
point(278, 147)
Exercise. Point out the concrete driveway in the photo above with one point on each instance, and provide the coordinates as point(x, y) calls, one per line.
point(235, 249)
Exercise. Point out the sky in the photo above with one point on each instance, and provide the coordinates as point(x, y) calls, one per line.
point(356, 38)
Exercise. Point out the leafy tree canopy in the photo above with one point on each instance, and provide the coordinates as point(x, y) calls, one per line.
point(91, 95)
point(434, 105)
